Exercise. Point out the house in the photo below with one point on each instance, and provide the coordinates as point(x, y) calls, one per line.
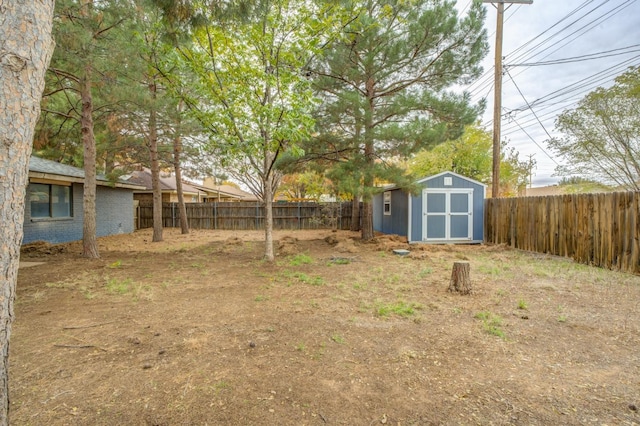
point(224, 192)
point(448, 209)
point(167, 185)
point(193, 192)
point(53, 208)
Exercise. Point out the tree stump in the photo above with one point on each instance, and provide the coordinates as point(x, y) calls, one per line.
point(460, 278)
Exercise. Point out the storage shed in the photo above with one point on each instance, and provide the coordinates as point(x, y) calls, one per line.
point(448, 209)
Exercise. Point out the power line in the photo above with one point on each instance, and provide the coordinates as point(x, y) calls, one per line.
point(582, 58)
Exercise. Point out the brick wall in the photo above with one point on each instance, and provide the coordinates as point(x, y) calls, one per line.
point(114, 210)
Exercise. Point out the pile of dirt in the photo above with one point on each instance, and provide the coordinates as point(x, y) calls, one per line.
point(233, 241)
point(390, 242)
point(288, 246)
point(332, 239)
point(41, 248)
point(347, 245)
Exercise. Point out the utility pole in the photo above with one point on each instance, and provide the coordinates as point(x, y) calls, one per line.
point(497, 97)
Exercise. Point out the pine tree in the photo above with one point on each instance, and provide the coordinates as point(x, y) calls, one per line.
point(385, 84)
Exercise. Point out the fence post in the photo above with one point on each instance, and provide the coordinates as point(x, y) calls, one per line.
point(215, 215)
point(299, 214)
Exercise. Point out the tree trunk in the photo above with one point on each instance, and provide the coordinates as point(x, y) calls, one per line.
point(155, 168)
point(177, 149)
point(25, 51)
point(367, 206)
point(460, 278)
point(268, 218)
point(355, 214)
point(89, 240)
point(369, 153)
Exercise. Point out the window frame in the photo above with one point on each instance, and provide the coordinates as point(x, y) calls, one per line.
point(52, 192)
point(386, 203)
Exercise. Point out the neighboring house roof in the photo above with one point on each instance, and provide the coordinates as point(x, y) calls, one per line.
point(39, 168)
point(230, 191)
point(544, 191)
point(143, 178)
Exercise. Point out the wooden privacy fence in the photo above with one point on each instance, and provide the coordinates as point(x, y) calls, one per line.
point(250, 215)
point(594, 229)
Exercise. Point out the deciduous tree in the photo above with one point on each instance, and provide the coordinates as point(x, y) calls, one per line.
point(602, 134)
point(471, 155)
point(251, 92)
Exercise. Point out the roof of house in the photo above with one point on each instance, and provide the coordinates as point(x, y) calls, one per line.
point(167, 183)
point(229, 191)
point(47, 169)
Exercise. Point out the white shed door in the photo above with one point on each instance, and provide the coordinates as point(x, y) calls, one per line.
point(447, 214)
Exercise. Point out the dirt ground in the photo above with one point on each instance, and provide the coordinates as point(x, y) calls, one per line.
point(198, 330)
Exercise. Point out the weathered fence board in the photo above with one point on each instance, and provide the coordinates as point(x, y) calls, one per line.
point(594, 229)
point(250, 215)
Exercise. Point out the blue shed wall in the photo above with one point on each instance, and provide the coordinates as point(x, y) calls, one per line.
point(398, 221)
point(114, 215)
point(437, 182)
point(395, 223)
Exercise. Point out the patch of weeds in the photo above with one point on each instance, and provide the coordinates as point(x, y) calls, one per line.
point(425, 272)
point(393, 279)
point(270, 329)
point(320, 353)
point(522, 305)
point(302, 277)
point(315, 304)
point(116, 264)
point(198, 265)
point(359, 286)
point(339, 261)
point(220, 386)
point(457, 310)
point(399, 308)
point(114, 285)
point(338, 339)
point(38, 295)
point(562, 318)
point(492, 270)
point(261, 298)
point(142, 291)
point(491, 323)
point(87, 293)
point(382, 254)
point(501, 292)
point(300, 347)
point(300, 259)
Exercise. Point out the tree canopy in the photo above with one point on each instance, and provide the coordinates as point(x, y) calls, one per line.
point(471, 155)
point(602, 134)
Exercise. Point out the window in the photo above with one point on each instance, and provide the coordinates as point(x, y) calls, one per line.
point(387, 203)
point(50, 200)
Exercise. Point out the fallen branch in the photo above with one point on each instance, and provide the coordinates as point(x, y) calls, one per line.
point(85, 345)
point(77, 346)
point(76, 327)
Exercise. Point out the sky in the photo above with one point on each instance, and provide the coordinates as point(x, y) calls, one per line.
point(593, 40)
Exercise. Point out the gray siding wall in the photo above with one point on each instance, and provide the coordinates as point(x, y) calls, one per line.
point(114, 215)
point(416, 218)
point(114, 211)
point(397, 221)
